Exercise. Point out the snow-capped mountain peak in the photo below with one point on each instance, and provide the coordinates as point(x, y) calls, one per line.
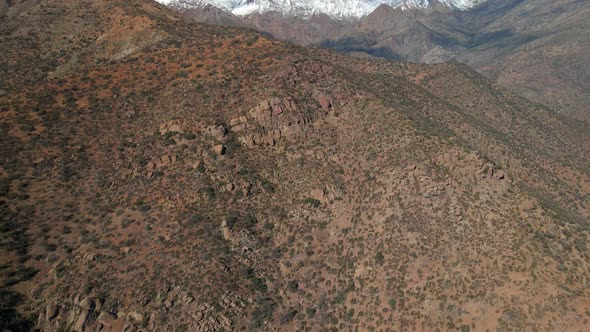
point(306, 8)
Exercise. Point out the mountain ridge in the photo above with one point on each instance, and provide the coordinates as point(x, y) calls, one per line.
point(534, 47)
point(340, 9)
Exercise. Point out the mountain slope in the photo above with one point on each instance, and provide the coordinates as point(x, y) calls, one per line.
point(543, 54)
point(536, 48)
point(165, 175)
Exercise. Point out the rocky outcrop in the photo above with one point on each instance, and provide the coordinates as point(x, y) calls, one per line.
point(326, 195)
point(160, 163)
point(81, 321)
point(208, 318)
point(272, 121)
point(239, 124)
point(218, 132)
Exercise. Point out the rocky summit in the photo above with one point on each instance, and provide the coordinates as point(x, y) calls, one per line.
point(164, 175)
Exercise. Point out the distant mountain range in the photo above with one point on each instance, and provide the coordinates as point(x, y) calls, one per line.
point(538, 48)
point(307, 8)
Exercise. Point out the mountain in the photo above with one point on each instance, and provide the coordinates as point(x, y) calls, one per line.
point(159, 174)
point(307, 8)
point(209, 14)
point(534, 47)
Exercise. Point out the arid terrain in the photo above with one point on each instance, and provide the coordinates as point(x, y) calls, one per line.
point(536, 48)
point(163, 175)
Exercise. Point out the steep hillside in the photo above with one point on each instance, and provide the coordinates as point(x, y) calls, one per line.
point(540, 51)
point(536, 48)
point(165, 175)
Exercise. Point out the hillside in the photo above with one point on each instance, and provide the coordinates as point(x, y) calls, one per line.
point(536, 48)
point(159, 174)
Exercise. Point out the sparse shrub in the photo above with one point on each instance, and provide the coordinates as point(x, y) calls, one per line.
point(379, 258)
point(312, 202)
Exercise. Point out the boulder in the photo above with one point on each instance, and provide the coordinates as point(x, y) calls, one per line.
point(325, 102)
point(136, 316)
point(189, 300)
point(487, 170)
point(165, 160)
point(239, 127)
point(174, 128)
point(318, 194)
point(80, 324)
point(106, 318)
point(219, 149)
point(218, 132)
point(225, 230)
point(234, 122)
point(90, 257)
point(51, 311)
point(258, 139)
point(169, 304)
point(87, 304)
